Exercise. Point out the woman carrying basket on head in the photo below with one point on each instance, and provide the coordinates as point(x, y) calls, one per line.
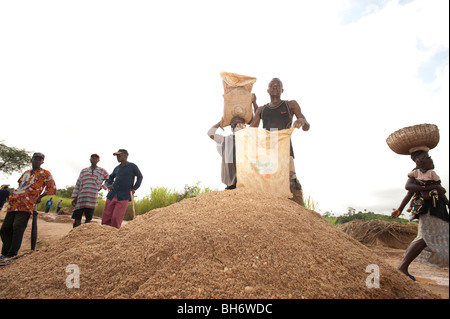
point(432, 241)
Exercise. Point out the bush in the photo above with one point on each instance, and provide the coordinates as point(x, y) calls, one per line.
point(366, 216)
point(67, 202)
point(158, 197)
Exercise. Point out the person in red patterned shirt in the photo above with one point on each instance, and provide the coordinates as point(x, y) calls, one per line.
point(33, 185)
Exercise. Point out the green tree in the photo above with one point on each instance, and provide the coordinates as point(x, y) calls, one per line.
point(65, 192)
point(13, 159)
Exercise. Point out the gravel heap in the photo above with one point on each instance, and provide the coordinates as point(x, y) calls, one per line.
point(225, 244)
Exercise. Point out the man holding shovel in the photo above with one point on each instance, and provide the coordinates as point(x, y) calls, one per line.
point(122, 183)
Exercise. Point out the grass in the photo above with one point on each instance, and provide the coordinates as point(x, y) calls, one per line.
point(368, 216)
point(66, 203)
point(331, 220)
point(158, 197)
point(310, 203)
point(362, 216)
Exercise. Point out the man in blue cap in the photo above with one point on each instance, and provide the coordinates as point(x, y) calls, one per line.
point(122, 183)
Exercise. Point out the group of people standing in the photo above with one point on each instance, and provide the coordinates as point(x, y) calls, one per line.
point(36, 183)
point(277, 114)
point(49, 204)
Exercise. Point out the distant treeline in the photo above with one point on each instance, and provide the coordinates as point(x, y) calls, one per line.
point(363, 216)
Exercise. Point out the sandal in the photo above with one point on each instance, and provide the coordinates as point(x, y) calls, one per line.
point(6, 261)
point(412, 277)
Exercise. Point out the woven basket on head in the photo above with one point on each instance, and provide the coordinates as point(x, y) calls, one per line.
point(413, 138)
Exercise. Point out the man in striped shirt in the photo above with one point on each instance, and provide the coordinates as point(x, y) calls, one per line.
point(85, 193)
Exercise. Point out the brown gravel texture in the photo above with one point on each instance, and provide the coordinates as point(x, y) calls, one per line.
point(223, 244)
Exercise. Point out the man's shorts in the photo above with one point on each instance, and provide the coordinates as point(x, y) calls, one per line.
point(294, 183)
point(88, 213)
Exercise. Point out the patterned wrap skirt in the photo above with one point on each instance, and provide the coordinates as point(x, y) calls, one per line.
point(435, 232)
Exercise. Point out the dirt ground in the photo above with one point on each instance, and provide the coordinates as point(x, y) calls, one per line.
point(52, 227)
point(433, 279)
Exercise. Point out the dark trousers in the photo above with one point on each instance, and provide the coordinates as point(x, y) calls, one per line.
point(12, 231)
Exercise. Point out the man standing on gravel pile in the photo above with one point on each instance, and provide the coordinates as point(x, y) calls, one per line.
point(22, 203)
point(85, 192)
point(227, 150)
point(278, 114)
point(121, 186)
point(226, 147)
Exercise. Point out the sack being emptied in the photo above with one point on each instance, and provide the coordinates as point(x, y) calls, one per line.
point(262, 160)
point(237, 97)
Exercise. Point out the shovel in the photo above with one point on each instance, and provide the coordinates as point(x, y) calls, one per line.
point(132, 204)
point(34, 230)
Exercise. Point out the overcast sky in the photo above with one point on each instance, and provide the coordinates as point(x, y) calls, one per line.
point(82, 77)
